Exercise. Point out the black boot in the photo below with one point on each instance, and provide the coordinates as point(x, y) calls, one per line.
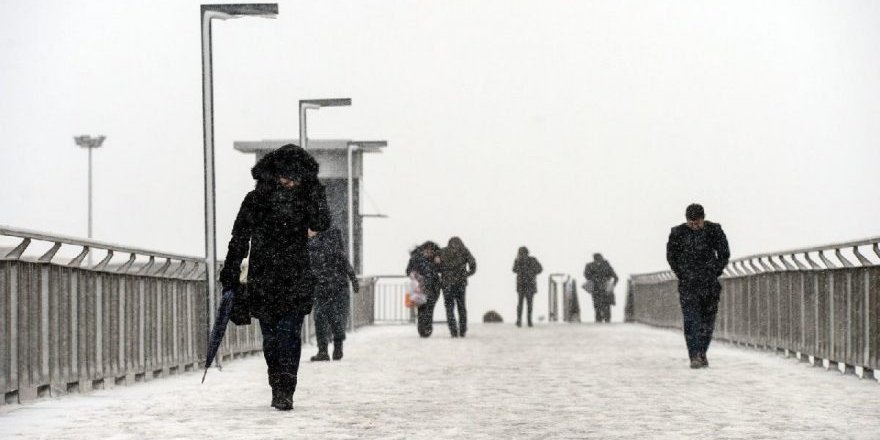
point(282, 393)
point(322, 354)
point(282, 400)
point(337, 349)
point(276, 390)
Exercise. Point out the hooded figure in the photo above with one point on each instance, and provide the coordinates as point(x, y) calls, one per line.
point(599, 272)
point(333, 273)
point(272, 226)
point(422, 261)
point(527, 269)
point(456, 265)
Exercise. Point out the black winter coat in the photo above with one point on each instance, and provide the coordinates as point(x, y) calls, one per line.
point(329, 263)
point(426, 268)
point(697, 256)
point(273, 224)
point(527, 270)
point(456, 265)
point(599, 272)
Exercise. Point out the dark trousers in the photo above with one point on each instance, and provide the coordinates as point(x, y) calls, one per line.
point(699, 306)
point(519, 305)
point(453, 297)
point(603, 312)
point(331, 316)
point(425, 323)
point(281, 348)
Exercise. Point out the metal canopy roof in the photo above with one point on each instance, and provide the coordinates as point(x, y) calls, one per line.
point(329, 145)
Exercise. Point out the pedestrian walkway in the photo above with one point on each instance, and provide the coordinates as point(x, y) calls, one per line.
point(616, 381)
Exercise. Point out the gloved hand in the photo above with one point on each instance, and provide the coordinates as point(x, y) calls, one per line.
point(356, 287)
point(229, 277)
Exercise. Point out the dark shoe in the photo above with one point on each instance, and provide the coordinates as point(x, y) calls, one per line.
point(530, 323)
point(337, 350)
point(696, 363)
point(453, 334)
point(518, 324)
point(321, 356)
point(282, 400)
point(703, 360)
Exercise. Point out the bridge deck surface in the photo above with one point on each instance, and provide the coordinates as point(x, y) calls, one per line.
point(551, 381)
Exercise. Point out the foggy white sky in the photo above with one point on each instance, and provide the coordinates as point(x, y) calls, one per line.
point(569, 127)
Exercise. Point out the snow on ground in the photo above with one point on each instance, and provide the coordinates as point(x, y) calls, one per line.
point(552, 381)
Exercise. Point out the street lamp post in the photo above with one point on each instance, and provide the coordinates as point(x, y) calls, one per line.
point(315, 104)
point(352, 146)
point(90, 143)
point(208, 13)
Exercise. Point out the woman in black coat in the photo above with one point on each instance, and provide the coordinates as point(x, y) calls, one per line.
point(272, 224)
point(333, 273)
point(422, 261)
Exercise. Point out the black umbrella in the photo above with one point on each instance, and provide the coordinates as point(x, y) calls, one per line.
point(219, 328)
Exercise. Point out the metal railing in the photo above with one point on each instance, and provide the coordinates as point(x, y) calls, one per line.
point(821, 302)
point(553, 281)
point(389, 293)
point(66, 325)
point(571, 308)
point(138, 314)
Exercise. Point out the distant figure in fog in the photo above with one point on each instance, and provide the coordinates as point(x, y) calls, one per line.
point(601, 280)
point(456, 265)
point(697, 252)
point(527, 269)
point(423, 261)
point(332, 272)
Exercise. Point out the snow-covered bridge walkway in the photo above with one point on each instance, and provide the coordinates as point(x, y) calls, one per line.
point(551, 381)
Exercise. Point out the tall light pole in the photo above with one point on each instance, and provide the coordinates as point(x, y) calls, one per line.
point(315, 104)
point(352, 146)
point(89, 143)
point(208, 13)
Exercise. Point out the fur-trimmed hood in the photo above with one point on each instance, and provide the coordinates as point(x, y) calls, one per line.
point(289, 161)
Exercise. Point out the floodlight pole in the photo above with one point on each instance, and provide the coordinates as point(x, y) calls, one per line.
point(89, 143)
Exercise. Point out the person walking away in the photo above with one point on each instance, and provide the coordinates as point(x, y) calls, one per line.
point(456, 265)
point(272, 225)
point(602, 277)
point(697, 251)
point(527, 269)
point(332, 273)
point(423, 261)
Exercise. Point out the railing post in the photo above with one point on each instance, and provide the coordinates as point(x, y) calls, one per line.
point(14, 334)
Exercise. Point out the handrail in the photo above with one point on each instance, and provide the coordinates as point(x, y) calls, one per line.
point(789, 258)
point(88, 243)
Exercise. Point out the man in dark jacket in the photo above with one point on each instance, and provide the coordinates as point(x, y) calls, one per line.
point(333, 273)
point(527, 269)
point(422, 262)
point(456, 265)
point(598, 274)
point(272, 224)
point(697, 252)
